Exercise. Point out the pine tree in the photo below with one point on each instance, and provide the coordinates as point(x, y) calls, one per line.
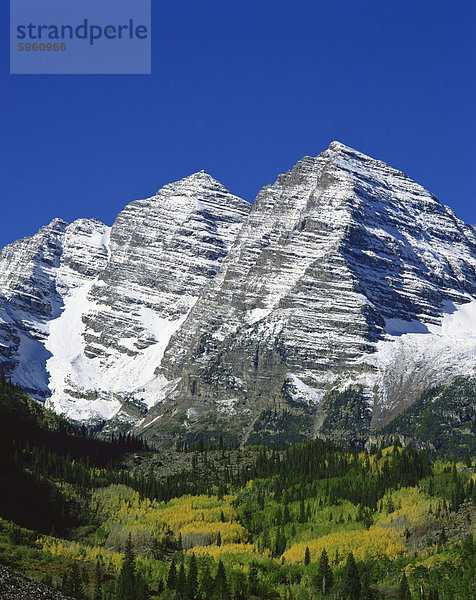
point(307, 557)
point(142, 592)
point(279, 543)
point(302, 512)
point(181, 581)
point(192, 579)
point(221, 584)
point(66, 587)
point(97, 594)
point(404, 590)
point(253, 583)
point(265, 539)
point(324, 579)
point(366, 587)
point(207, 583)
point(351, 579)
point(433, 595)
point(76, 585)
point(172, 576)
point(126, 581)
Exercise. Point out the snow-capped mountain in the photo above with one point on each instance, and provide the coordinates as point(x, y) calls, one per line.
point(88, 309)
point(345, 284)
point(345, 272)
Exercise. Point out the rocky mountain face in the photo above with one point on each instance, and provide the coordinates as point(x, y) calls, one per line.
point(326, 308)
point(37, 276)
point(347, 275)
point(442, 420)
point(88, 309)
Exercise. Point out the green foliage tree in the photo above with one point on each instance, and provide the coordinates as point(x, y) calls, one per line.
point(433, 594)
point(142, 592)
point(279, 542)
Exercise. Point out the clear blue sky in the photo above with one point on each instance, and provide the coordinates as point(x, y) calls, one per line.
point(243, 89)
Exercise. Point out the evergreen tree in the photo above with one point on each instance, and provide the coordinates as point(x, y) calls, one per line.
point(172, 576)
point(142, 592)
point(108, 591)
point(97, 594)
point(66, 587)
point(222, 591)
point(207, 583)
point(404, 590)
point(192, 579)
point(286, 514)
point(76, 585)
point(307, 557)
point(181, 581)
point(366, 591)
point(433, 594)
point(442, 539)
point(324, 579)
point(157, 550)
point(265, 543)
point(253, 583)
point(351, 579)
point(302, 512)
point(125, 586)
point(279, 543)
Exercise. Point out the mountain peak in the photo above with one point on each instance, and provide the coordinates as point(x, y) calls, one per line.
point(340, 147)
point(200, 178)
point(57, 223)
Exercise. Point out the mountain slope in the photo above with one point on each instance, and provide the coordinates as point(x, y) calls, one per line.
point(38, 276)
point(443, 419)
point(344, 265)
point(88, 309)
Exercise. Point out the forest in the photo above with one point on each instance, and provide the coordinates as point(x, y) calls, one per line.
point(118, 520)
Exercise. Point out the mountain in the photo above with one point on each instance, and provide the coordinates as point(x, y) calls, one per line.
point(348, 291)
point(87, 310)
point(327, 308)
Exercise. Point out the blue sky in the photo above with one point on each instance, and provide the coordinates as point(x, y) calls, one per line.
point(243, 89)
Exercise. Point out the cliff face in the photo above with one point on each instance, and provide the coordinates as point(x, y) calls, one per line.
point(326, 308)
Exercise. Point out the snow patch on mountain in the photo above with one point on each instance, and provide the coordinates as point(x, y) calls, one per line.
point(420, 355)
point(302, 392)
